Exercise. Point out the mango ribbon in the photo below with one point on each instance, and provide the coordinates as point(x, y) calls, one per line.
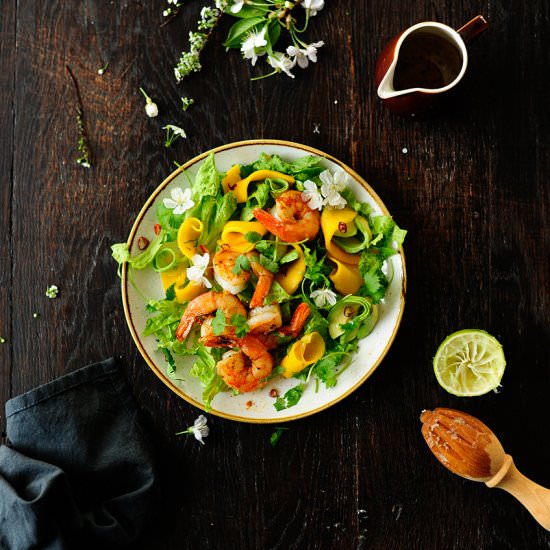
point(188, 237)
point(331, 220)
point(346, 277)
point(240, 188)
point(185, 290)
point(291, 275)
point(234, 235)
point(306, 351)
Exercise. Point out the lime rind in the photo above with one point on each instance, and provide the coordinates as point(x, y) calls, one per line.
point(469, 362)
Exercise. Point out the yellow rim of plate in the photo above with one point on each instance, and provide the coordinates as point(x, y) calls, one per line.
point(159, 372)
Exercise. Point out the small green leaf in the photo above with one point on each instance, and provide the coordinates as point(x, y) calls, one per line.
point(269, 264)
point(289, 257)
point(276, 435)
point(241, 325)
point(242, 263)
point(290, 398)
point(238, 32)
point(171, 292)
point(253, 237)
point(218, 323)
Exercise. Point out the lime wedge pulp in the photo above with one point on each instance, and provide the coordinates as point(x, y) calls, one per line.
point(469, 362)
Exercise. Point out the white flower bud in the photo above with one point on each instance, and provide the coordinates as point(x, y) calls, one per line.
point(151, 109)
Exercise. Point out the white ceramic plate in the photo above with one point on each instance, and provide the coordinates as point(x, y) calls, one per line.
point(258, 406)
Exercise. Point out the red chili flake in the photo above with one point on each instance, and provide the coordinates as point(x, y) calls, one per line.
point(249, 404)
point(232, 186)
point(203, 249)
point(342, 227)
point(274, 393)
point(143, 243)
point(157, 228)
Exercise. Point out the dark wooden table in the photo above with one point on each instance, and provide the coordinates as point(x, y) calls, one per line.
point(472, 190)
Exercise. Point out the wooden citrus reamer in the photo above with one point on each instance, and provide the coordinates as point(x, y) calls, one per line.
point(468, 448)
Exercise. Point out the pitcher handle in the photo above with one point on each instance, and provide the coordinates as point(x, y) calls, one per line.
point(473, 28)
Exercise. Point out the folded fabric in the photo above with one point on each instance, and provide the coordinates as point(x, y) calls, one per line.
point(78, 471)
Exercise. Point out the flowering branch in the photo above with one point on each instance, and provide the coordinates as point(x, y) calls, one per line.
point(256, 33)
point(82, 146)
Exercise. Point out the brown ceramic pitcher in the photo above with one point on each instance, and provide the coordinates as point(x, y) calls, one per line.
point(419, 66)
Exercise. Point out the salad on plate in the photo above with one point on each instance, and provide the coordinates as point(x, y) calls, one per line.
point(270, 269)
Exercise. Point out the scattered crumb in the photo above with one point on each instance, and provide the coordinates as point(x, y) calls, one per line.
point(335, 102)
point(316, 128)
point(274, 393)
point(249, 404)
point(404, 150)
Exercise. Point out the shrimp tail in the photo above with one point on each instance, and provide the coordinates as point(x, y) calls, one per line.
point(299, 318)
point(272, 224)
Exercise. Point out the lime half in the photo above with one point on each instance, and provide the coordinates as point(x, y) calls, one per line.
point(469, 362)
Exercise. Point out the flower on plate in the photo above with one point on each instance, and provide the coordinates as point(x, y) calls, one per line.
point(180, 201)
point(196, 271)
point(313, 6)
point(237, 6)
point(311, 195)
point(304, 55)
point(332, 184)
point(254, 45)
point(323, 297)
point(281, 63)
point(199, 429)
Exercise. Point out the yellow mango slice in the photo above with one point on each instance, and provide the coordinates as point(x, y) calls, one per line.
point(189, 291)
point(306, 351)
point(335, 221)
point(171, 276)
point(188, 236)
point(233, 234)
point(240, 189)
point(291, 275)
point(232, 177)
point(346, 277)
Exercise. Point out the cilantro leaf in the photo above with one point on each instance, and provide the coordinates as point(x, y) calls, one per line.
point(253, 237)
point(171, 292)
point(242, 263)
point(276, 435)
point(290, 398)
point(241, 325)
point(218, 323)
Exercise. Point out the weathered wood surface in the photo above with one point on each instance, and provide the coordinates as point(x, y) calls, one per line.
point(472, 190)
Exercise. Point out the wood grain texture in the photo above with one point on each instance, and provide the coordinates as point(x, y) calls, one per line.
point(472, 190)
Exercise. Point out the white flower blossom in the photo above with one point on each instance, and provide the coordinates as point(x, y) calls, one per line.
point(196, 271)
point(237, 6)
point(180, 201)
point(332, 184)
point(199, 429)
point(52, 291)
point(323, 297)
point(253, 46)
point(304, 55)
point(311, 195)
point(281, 63)
point(313, 6)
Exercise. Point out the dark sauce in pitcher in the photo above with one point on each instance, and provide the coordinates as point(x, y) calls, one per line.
point(426, 60)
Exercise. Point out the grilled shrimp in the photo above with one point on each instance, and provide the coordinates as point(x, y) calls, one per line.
point(297, 322)
point(246, 369)
point(265, 319)
point(224, 272)
point(205, 304)
point(297, 221)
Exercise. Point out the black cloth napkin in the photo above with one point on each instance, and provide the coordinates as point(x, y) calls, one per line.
point(78, 470)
